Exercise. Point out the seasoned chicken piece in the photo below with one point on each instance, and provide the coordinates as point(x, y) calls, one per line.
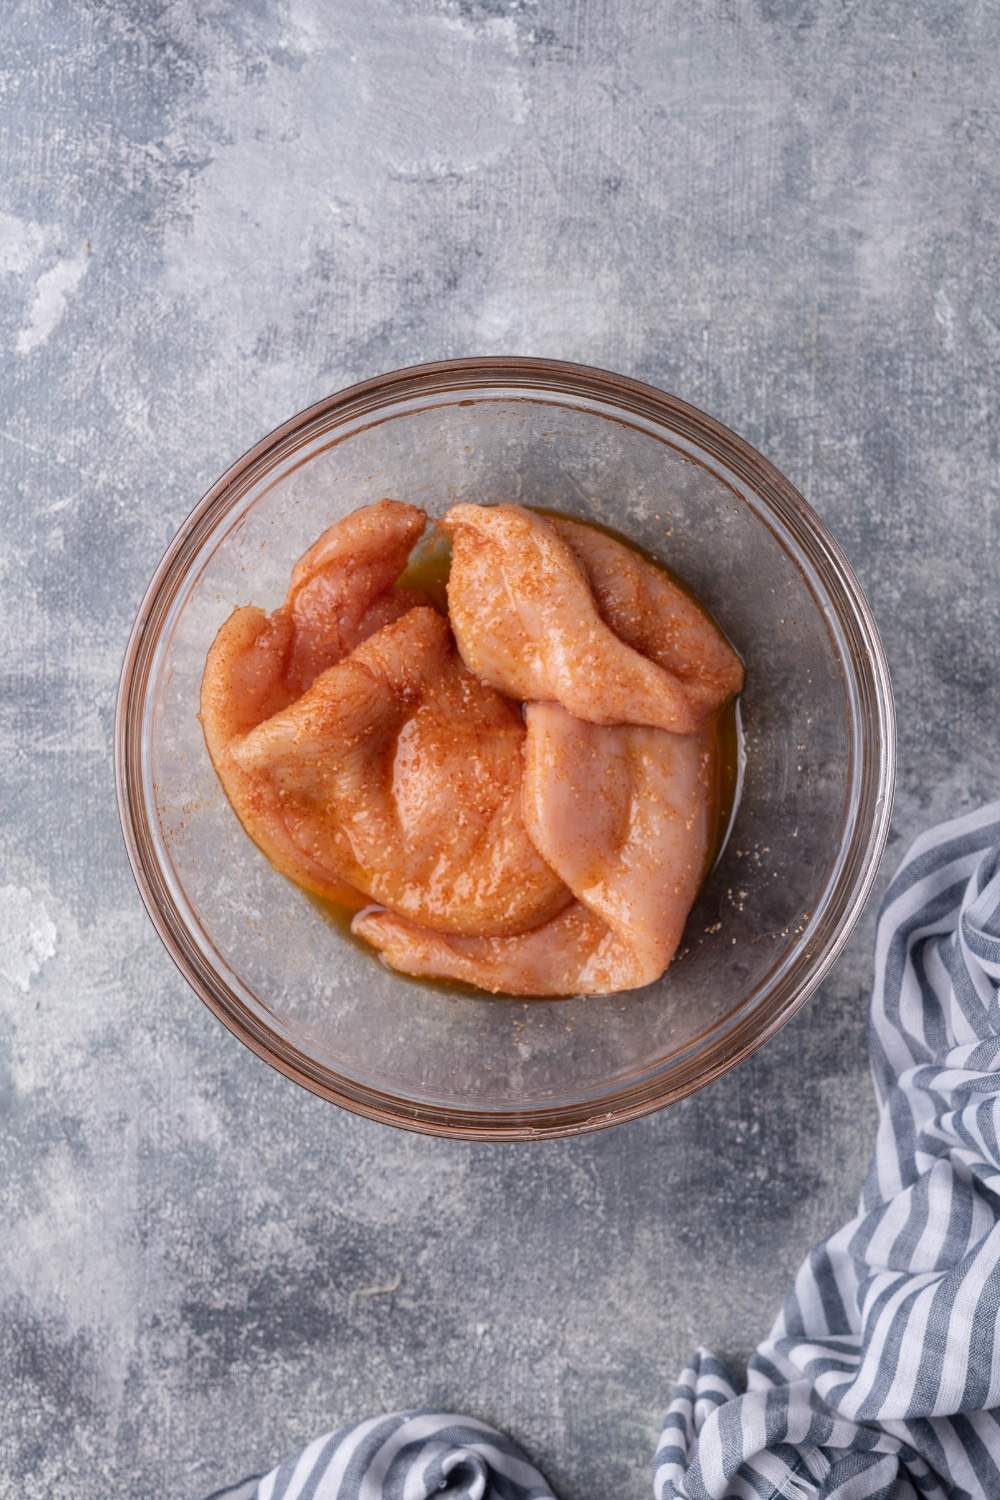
point(400, 773)
point(650, 613)
point(622, 815)
point(571, 955)
point(341, 591)
point(525, 619)
point(243, 685)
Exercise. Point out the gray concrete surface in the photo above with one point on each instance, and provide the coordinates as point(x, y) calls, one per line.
point(213, 213)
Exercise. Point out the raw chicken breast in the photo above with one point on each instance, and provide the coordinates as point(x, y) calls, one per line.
point(650, 613)
point(341, 591)
point(622, 815)
point(242, 686)
point(555, 856)
point(400, 773)
point(573, 954)
point(525, 619)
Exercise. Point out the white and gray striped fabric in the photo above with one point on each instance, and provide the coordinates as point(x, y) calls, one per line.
point(407, 1456)
point(881, 1377)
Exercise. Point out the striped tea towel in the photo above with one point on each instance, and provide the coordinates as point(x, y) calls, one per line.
point(881, 1376)
point(407, 1456)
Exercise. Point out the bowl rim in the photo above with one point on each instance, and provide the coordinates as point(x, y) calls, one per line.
point(872, 684)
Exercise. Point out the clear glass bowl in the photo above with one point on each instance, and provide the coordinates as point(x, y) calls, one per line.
point(807, 834)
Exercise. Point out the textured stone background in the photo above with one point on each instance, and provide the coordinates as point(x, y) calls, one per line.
point(213, 212)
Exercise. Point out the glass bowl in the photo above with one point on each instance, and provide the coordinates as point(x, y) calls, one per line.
point(805, 840)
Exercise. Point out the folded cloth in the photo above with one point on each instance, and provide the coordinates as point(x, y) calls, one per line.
point(406, 1456)
point(881, 1377)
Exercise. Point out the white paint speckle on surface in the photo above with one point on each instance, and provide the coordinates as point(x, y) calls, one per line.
point(53, 290)
point(21, 243)
point(945, 315)
point(27, 935)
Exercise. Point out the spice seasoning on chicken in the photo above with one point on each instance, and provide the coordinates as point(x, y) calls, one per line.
point(520, 796)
